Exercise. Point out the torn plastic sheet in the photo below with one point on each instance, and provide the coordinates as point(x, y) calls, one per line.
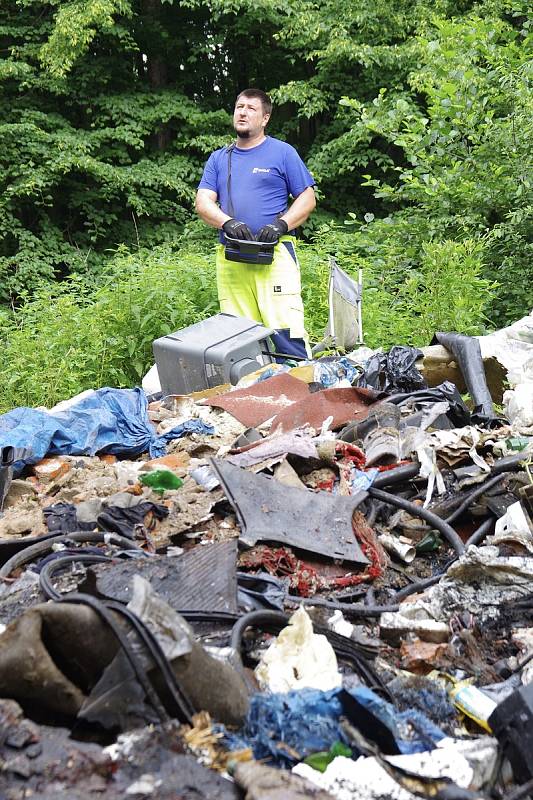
point(113, 421)
point(369, 779)
point(457, 415)
point(480, 581)
point(205, 477)
point(270, 511)
point(262, 591)
point(298, 659)
point(514, 526)
point(518, 403)
point(362, 480)
point(513, 347)
point(335, 372)
point(299, 443)
point(467, 764)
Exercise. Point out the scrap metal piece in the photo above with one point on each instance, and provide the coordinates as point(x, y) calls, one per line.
point(342, 405)
point(268, 511)
point(255, 404)
point(202, 579)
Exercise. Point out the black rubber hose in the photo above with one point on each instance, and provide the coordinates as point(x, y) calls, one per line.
point(419, 586)
point(372, 514)
point(509, 463)
point(350, 609)
point(391, 477)
point(417, 511)
point(140, 674)
point(38, 549)
point(48, 571)
point(407, 472)
point(481, 532)
point(475, 493)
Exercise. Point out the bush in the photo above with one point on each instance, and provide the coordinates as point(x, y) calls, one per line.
point(66, 339)
point(410, 289)
point(74, 336)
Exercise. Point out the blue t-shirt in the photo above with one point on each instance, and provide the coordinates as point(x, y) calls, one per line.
point(262, 178)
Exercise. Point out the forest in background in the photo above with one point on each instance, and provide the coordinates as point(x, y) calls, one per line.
point(415, 117)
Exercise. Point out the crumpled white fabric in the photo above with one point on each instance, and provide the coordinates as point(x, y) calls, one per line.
point(299, 659)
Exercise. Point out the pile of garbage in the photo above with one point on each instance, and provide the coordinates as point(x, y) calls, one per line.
point(317, 583)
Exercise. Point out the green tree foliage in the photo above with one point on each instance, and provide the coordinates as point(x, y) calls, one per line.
point(434, 120)
point(415, 116)
point(108, 111)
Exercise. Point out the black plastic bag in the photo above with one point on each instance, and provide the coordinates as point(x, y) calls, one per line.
point(394, 371)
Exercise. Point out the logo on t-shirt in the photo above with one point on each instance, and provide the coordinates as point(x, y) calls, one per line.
point(259, 169)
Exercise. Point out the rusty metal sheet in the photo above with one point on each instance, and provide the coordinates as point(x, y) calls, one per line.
point(269, 511)
point(201, 579)
point(343, 405)
point(257, 403)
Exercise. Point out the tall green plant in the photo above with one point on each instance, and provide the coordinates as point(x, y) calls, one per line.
point(68, 339)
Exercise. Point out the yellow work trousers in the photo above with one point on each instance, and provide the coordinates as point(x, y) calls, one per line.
point(268, 294)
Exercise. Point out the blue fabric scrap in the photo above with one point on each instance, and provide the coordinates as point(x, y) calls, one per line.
point(286, 728)
point(283, 729)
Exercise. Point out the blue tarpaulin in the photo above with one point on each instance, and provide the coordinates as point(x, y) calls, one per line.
point(102, 421)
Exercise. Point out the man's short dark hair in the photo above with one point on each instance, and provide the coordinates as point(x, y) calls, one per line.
point(266, 102)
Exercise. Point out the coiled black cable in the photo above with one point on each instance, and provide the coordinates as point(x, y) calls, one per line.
point(38, 549)
point(417, 511)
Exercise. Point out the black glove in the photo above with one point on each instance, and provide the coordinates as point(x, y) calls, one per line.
point(237, 230)
point(272, 232)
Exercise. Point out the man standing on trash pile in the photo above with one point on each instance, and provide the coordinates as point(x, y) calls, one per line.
point(244, 192)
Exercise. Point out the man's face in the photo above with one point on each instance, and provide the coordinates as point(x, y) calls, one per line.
point(248, 118)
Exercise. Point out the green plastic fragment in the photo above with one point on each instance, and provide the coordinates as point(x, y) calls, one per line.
point(160, 480)
point(429, 543)
point(517, 443)
point(320, 761)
